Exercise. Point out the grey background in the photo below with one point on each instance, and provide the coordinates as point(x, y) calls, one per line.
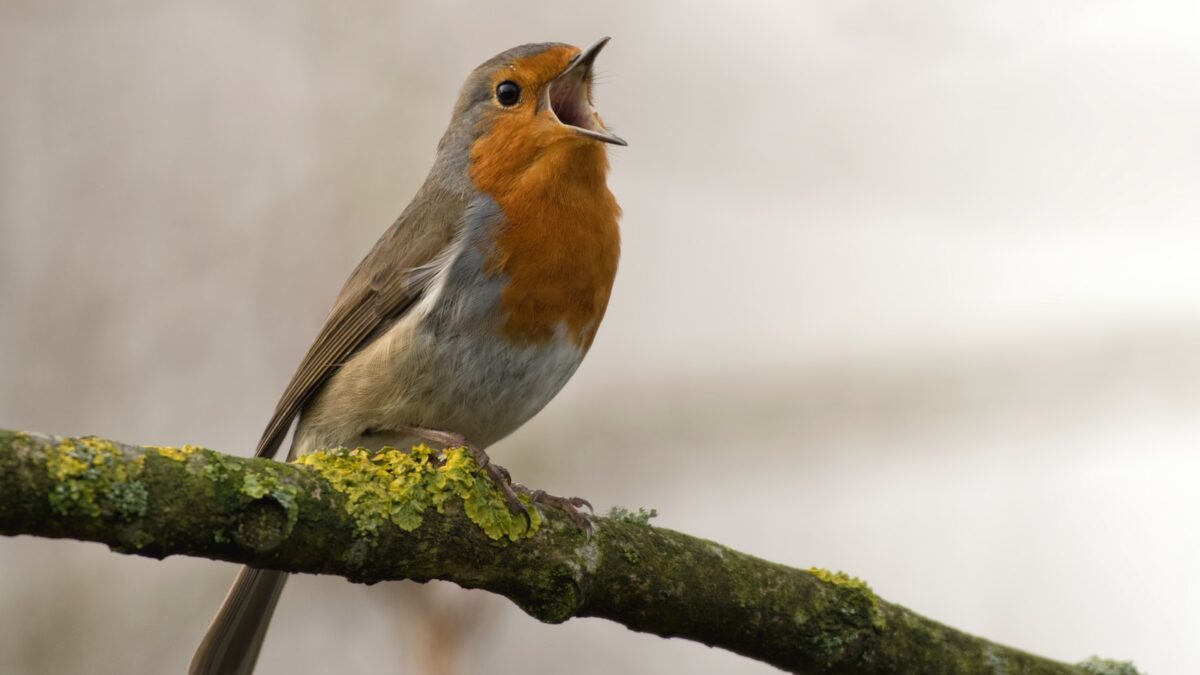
point(909, 289)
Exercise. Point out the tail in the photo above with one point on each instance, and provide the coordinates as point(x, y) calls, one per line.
point(230, 647)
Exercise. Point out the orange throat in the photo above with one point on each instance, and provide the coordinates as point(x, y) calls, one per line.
point(558, 242)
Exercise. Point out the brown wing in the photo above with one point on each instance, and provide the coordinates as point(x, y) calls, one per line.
point(385, 285)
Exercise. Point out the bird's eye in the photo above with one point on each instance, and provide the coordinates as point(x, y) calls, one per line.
point(508, 93)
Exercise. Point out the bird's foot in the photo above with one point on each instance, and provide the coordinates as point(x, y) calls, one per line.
point(568, 505)
point(502, 479)
point(498, 475)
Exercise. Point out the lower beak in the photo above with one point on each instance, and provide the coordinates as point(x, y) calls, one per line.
point(569, 97)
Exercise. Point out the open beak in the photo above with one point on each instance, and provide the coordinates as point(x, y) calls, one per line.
point(569, 97)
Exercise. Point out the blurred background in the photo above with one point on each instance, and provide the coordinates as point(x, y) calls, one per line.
point(909, 289)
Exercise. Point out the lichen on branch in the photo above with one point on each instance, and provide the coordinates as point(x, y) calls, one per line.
point(398, 486)
point(423, 514)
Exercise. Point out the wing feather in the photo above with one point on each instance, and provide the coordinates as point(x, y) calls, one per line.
point(385, 285)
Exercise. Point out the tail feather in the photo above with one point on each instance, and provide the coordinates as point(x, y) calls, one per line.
point(231, 645)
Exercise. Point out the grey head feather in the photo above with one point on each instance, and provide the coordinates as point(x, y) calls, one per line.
point(474, 102)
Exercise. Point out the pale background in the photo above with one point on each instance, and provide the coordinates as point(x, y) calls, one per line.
point(910, 289)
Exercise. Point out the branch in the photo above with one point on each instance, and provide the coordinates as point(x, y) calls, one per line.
point(423, 515)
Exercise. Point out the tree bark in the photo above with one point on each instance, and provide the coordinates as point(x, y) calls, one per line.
point(424, 515)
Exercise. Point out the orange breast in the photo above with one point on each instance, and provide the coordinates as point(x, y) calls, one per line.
point(558, 243)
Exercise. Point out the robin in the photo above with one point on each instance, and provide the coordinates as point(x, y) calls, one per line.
point(471, 311)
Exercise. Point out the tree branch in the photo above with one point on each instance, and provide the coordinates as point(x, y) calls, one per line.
point(423, 515)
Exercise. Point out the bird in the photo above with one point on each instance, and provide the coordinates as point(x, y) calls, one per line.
point(471, 311)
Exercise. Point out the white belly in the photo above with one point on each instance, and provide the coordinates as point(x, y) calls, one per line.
point(443, 367)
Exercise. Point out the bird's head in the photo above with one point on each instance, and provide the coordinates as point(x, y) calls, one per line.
point(529, 107)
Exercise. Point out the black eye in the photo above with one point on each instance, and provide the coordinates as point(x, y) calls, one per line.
point(508, 93)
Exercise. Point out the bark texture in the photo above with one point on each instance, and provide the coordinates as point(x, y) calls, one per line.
point(422, 515)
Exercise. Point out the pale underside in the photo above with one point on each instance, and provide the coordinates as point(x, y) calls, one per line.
point(442, 365)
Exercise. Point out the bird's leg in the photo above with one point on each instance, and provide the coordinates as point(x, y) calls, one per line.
point(499, 475)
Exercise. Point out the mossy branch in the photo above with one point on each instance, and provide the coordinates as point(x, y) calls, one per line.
point(422, 515)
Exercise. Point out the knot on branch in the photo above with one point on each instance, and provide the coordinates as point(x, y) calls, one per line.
point(262, 525)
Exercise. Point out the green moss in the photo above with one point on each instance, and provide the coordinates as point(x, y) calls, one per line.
point(93, 477)
point(128, 499)
point(256, 486)
point(397, 487)
point(640, 517)
point(1099, 666)
point(859, 591)
point(218, 467)
point(631, 555)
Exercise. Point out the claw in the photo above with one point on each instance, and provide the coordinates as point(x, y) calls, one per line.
point(569, 506)
point(504, 472)
point(500, 478)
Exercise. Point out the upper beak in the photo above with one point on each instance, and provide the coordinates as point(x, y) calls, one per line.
point(569, 97)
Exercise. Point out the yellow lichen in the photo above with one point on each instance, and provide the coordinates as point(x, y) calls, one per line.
point(397, 487)
point(179, 454)
point(839, 579)
point(93, 476)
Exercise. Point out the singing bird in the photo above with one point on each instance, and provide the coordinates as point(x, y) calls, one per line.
point(471, 311)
